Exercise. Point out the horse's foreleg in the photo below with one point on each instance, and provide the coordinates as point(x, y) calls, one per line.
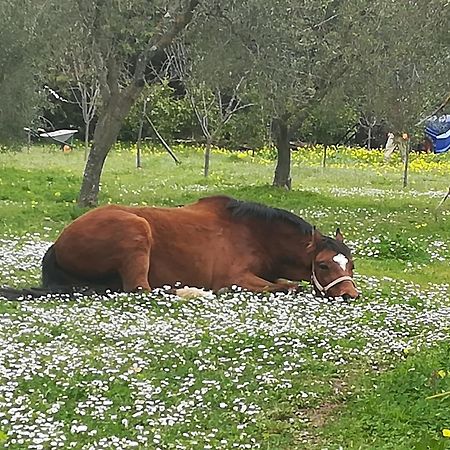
point(254, 283)
point(289, 284)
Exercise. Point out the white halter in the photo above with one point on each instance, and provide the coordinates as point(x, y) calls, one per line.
point(324, 289)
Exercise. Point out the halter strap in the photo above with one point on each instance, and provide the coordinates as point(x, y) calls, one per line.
point(323, 289)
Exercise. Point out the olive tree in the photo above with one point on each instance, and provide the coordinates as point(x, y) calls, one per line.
point(123, 39)
point(407, 61)
point(294, 54)
point(215, 100)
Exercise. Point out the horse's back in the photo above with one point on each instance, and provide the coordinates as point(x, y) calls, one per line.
point(194, 244)
point(197, 244)
point(217, 203)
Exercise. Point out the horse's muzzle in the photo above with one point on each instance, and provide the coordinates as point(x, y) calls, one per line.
point(341, 287)
point(346, 289)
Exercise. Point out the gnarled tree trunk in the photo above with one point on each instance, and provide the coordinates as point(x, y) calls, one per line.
point(105, 135)
point(282, 176)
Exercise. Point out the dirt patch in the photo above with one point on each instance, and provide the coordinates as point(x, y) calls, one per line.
point(318, 417)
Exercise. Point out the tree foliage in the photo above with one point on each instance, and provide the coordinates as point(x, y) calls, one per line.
point(297, 53)
point(25, 28)
point(404, 54)
point(171, 113)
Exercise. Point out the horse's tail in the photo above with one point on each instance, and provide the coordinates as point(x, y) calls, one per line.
point(53, 276)
point(54, 281)
point(22, 294)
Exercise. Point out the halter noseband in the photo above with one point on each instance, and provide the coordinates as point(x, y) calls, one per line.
point(324, 289)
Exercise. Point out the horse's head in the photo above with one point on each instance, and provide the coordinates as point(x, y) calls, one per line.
point(332, 266)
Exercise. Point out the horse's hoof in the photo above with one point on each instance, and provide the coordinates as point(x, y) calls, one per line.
point(192, 292)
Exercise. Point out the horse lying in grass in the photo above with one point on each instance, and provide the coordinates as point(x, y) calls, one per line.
point(214, 243)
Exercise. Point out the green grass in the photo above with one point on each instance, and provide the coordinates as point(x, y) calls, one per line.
point(318, 374)
point(398, 404)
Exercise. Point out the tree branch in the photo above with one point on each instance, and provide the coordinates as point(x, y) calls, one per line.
point(438, 109)
point(164, 39)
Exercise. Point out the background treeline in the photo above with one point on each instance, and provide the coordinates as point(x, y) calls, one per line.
point(173, 116)
point(236, 73)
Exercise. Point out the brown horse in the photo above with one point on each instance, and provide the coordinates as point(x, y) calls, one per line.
point(214, 243)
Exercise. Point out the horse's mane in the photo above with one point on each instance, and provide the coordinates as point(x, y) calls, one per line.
point(241, 209)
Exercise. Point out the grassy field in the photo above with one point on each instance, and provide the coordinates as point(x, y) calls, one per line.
point(236, 371)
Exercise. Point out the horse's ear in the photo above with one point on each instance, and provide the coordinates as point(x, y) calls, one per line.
point(315, 237)
point(339, 236)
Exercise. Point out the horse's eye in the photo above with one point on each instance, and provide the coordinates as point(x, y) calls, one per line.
point(323, 266)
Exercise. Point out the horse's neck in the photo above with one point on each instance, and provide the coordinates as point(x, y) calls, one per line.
point(288, 249)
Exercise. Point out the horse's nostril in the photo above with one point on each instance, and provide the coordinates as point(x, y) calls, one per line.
point(346, 297)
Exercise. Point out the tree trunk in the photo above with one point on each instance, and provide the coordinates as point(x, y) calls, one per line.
point(105, 135)
point(86, 139)
point(207, 157)
point(324, 157)
point(282, 176)
point(138, 143)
